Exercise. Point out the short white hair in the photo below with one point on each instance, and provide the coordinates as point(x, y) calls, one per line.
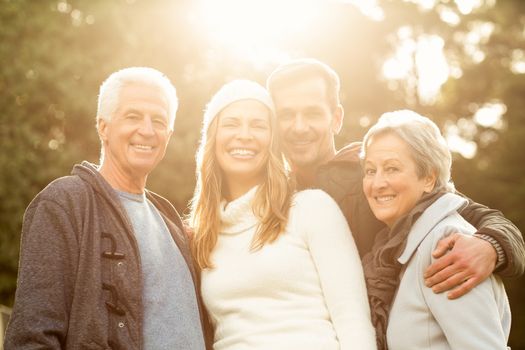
point(109, 93)
point(427, 145)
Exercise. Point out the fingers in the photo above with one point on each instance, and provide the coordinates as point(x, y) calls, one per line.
point(441, 276)
point(436, 267)
point(444, 245)
point(458, 285)
point(452, 278)
point(463, 289)
point(462, 263)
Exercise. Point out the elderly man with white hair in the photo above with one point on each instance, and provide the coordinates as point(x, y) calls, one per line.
point(104, 262)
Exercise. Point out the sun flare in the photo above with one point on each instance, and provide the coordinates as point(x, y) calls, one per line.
point(256, 29)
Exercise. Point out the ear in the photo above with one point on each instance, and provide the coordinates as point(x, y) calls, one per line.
point(337, 119)
point(102, 128)
point(430, 182)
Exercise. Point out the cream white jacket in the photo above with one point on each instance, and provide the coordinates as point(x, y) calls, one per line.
point(420, 319)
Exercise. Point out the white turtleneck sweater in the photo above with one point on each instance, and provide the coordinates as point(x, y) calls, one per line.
point(305, 291)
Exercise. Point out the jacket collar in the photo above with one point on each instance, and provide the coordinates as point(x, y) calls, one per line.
point(441, 208)
point(342, 174)
point(349, 153)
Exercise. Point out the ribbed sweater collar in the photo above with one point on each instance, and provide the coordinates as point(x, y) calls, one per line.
point(237, 216)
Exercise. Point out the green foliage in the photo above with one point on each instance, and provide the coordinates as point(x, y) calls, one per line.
point(55, 54)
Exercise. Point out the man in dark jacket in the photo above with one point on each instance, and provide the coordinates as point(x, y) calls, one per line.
point(104, 263)
point(309, 115)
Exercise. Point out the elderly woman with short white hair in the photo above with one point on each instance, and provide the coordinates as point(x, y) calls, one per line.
point(407, 183)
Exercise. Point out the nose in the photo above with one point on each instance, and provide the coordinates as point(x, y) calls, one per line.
point(146, 127)
point(379, 180)
point(299, 125)
point(245, 133)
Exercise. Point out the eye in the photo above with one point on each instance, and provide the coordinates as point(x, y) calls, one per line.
point(285, 116)
point(369, 171)
point(261, 126)
point(132, 116)
point(159, 121)
point(391, 169)
point(228, 124)
point(314, 114)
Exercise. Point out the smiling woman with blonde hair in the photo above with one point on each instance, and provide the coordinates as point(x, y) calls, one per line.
point(279, 270)
point(274, 193)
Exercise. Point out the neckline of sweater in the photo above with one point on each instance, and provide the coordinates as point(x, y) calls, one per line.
point(237, 216)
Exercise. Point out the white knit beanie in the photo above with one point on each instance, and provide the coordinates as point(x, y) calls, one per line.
point(234, 91)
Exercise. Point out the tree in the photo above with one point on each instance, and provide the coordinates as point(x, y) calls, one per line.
point(55, 54)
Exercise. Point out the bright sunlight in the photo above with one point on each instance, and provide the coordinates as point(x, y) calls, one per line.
point(260, 31)
point(255, 29)
point(263, 32)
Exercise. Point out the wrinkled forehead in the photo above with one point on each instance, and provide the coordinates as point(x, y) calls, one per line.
point(132, 94)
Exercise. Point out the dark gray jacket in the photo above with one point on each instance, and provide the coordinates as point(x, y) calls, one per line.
point(79, 279)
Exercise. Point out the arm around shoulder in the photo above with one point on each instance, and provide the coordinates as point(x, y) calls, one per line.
point(492, 223)
point(478, 320)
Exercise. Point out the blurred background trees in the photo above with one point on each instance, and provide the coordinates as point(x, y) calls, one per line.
point(459, 62)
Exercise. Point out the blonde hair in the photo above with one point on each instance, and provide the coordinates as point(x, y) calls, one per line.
point(271, 204)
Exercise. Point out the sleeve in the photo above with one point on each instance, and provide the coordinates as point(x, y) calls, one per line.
point(474, 321)
point(45, 279)
point(492, 223)
point(337, 261)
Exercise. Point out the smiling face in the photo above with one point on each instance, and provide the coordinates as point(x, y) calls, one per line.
point(136, 137)
point(242, 142)
point(307, 123)
point(391, 183)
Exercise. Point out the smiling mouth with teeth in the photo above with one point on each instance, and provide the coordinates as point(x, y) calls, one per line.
point(242, 152)
point(384, 198)
point(143, 147)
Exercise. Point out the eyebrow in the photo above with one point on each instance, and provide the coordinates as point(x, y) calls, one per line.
point(132, 110)
point(259, 119)
point(390, 160)
point(313, 108)
point(234, 117)
point(307, 108)
point(154, 114)
point(223, 118)
point(386, 161)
